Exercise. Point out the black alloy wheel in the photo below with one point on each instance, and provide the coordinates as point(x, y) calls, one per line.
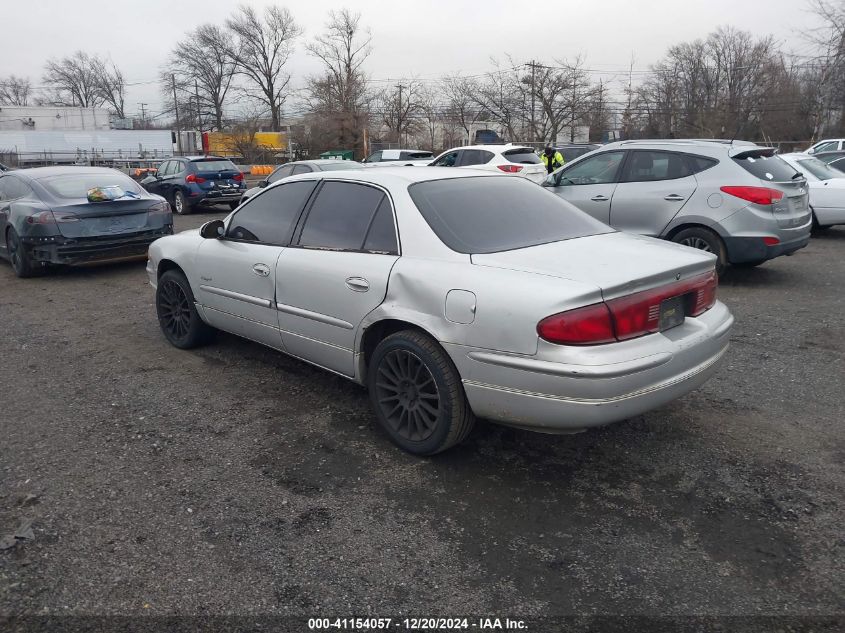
point(177, 315)
point(407, 395)
point(19, 258)
point(417, 393)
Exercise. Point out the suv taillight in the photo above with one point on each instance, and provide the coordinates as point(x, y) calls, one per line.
point(194, 178)
point(238, 177)
point(627, 317)
point(510, 169)
point(757, 195)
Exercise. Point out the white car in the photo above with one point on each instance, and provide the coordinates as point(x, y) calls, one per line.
point(827, 189)
point(515, 160)
point(399, 157)
point(827, 145)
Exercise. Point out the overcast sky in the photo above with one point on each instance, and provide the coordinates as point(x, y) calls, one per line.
point(425, 38)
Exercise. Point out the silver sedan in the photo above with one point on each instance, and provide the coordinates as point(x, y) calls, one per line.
point(450, 297)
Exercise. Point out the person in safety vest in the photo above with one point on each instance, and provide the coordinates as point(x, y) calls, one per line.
point(551, 159)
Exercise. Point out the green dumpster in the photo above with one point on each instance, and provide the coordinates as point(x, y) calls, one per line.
point(338, 154)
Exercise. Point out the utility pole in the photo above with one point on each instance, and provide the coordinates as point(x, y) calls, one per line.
point(143, 116)
point(176, 107)
point(399, 116)
point(197, 96)
point(533, 65)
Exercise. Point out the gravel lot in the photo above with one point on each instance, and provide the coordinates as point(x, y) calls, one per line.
point(234, 480)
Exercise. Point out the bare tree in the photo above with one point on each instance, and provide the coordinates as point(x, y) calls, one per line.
point(461, 110)
point(15, 91)
point(340, 95)
point(73, 81)
point(401, 109)
point(202, 68)
point(828, 64)
point(261, 48)
point(110, 85)
point(431, 115)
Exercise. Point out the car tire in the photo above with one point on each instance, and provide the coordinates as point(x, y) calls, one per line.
point(705, 240)
point(417, 395)
point(177, 315)
point(818, 228)
point(21, 262)
point(180, 204)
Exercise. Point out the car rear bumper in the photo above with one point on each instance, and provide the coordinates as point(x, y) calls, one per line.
point(566, 390)
point(754, 249)
point(207, 198)
point(81, 251)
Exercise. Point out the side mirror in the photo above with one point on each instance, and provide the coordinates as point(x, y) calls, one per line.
point(213, 230)
point(263, 183)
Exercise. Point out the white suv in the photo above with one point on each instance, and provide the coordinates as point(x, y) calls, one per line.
point(508, 159)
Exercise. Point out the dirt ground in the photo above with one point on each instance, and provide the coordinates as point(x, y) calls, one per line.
point(232, 480)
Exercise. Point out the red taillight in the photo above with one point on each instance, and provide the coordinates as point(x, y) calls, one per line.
point(41, 217)
point(583, 326)
point(757, 195)
point(510, 169)
point(238, 177)
point(627, 317)
point(194, 178)
point(771, 241)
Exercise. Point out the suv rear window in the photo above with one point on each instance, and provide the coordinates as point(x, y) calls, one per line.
point(770, 168)
point(488, 214)
point(214, 165)
point(523, 156)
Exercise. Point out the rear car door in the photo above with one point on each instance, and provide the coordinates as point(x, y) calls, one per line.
point(654, 187)
point(474, 157)
point(335, 272)
point(590, 184)
point(235, 276)
point(153, 184)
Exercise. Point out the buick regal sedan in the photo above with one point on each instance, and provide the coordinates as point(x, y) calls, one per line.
point(76, 215)
point(451, 297)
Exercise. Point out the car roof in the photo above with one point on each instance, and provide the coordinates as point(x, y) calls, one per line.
point(676, 143)
point(500, 147)
point(395, 176)
point(37, 173)
point(322, 161)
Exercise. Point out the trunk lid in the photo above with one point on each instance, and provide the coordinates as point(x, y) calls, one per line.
point(618, 263)
point(794, 209)
point(81, 218)
point(772, 171)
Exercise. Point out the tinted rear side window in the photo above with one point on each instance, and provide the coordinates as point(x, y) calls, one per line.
point(341, 216)
point(475, 157)
point(698, 164)
point(770, 168)
point(381, 238)
point(268, 218)
point(523, 156)
point(489, 215)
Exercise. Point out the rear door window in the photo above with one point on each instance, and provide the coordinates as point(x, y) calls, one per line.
point(341, 216)
point(301, 169)
point(595, 170)
point(269, 217)
point(381, 237)
point(475, 157)
point(768, 168)
point(647, 166)
point(522, 156)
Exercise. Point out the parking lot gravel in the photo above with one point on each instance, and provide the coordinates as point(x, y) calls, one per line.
point(233, 480)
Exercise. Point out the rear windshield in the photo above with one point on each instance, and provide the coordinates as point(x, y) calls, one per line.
point(819, 169)
point(214, 165)
point(77, 185)
point(493, 214)
point(339, 165)
point(523, 156)
point(416, 155)
point(771, 168)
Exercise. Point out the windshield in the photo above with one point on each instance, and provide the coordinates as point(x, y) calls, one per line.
point(78, 185)
point(492, 214)
point(204, 166)
point(818, 169)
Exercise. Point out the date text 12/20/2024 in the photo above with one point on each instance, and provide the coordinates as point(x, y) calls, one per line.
point(417, 624)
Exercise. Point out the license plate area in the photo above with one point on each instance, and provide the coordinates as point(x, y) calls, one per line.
point(672, 313)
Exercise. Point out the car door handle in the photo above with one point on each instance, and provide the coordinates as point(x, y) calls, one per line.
point(262, 270)
point(599, 198)
point(674, 198)
point(358, 284)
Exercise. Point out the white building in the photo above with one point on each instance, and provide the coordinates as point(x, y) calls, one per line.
point(53, 119)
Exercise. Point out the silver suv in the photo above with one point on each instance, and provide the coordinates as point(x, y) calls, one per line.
point(736, 200)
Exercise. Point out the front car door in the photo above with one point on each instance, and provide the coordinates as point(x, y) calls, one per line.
point(654, 187)
point(236, 275)
point(335, 272)
point(449, 159)
point(590, 183)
